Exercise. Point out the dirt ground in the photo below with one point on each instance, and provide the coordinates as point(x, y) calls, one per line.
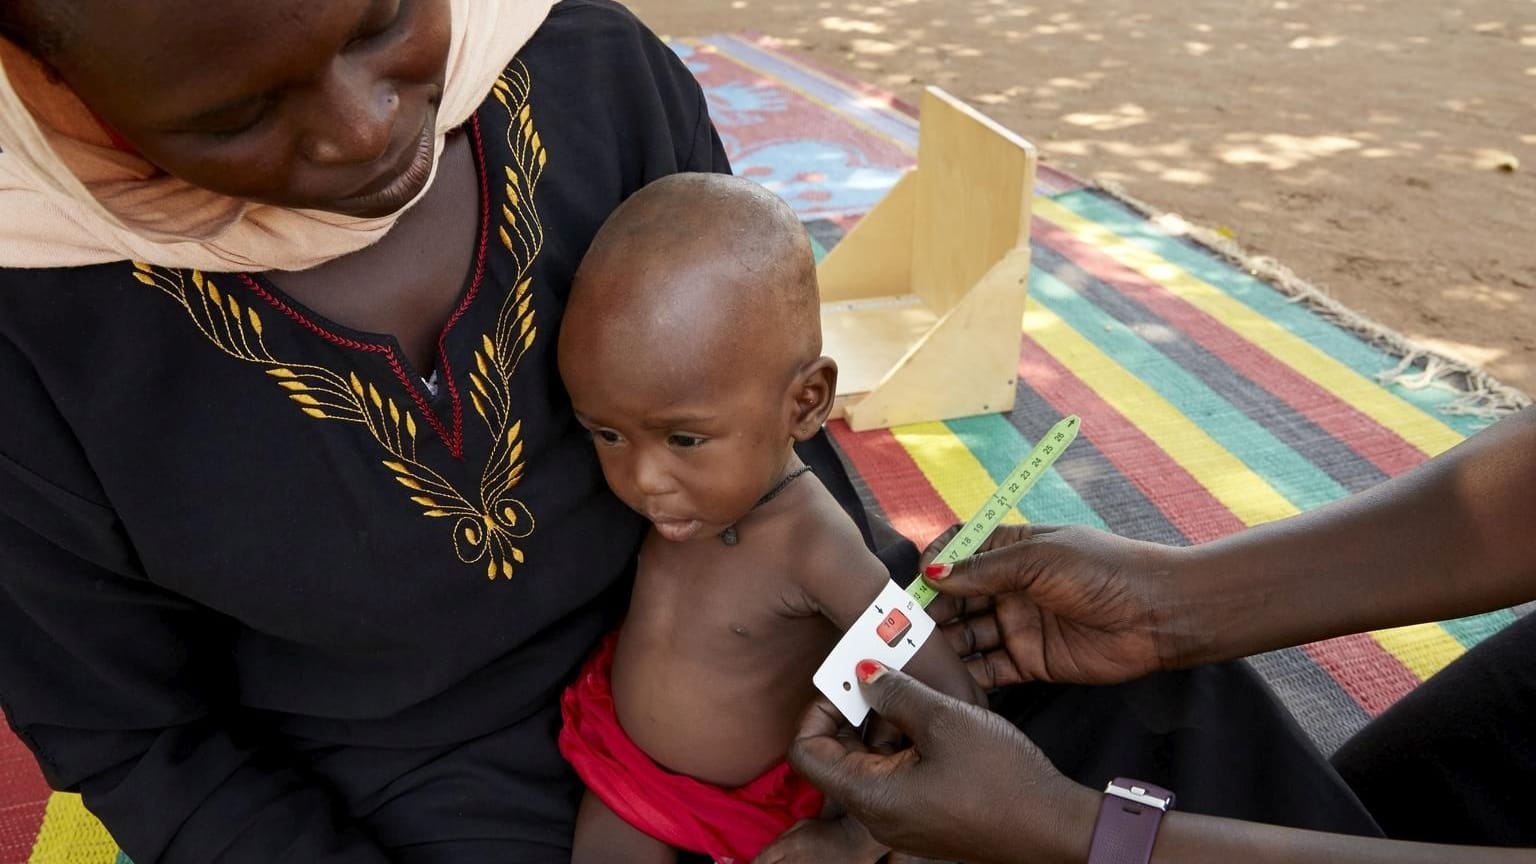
point(1385, 150)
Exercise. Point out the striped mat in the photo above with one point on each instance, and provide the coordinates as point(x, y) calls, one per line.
point(1209, 400)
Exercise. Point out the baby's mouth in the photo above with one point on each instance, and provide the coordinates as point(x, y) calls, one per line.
point(677, 530)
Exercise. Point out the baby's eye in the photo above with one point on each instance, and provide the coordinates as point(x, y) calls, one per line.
point(685, 441)
point(607, 436)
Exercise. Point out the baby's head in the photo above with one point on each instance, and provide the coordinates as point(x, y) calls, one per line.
point(691, 348)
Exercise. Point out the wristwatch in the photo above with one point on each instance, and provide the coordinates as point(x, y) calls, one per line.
point(1128, 820)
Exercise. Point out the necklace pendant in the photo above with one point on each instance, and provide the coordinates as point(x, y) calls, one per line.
point(728, 536)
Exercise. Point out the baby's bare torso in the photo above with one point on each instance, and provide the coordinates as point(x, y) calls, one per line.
point(715, 658)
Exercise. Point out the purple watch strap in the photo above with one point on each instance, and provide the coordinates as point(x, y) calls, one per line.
point(1128, 820)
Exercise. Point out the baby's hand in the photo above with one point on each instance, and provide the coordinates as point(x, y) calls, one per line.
point(814, 841)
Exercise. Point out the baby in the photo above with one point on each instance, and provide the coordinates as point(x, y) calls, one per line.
point(692, 352)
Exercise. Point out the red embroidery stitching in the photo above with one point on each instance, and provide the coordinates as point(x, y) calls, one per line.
point(455, 440)
point(454, 446)
point(474, 285)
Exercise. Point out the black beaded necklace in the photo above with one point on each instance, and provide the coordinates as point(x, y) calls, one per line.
point(729, 537)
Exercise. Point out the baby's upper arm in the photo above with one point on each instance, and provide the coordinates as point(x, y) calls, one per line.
point(837, 574)
point(840, 578)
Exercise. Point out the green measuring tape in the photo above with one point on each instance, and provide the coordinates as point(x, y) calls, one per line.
point(1001, 502)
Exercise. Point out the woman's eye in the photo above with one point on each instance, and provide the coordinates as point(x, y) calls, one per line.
point(377, 25)
point(685, 441)
point(236, 124)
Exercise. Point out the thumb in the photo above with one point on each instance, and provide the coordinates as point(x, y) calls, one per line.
point(903, 700)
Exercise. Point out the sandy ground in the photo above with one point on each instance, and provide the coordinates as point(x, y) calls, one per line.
point(1385, 150)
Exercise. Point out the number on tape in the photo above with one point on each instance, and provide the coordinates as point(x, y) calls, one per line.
point(1008, 494)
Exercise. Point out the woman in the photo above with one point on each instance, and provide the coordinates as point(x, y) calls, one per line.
point(301, 552)
point(1450, 764)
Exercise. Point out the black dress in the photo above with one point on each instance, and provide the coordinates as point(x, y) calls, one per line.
point(263, 591)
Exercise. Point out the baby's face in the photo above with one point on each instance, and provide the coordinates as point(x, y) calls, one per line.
point(690, 449)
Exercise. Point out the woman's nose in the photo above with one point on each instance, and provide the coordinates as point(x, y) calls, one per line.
point(351, 118)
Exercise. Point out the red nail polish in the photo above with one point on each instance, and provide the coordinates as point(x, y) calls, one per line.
point(868, 670)
point(937, 571)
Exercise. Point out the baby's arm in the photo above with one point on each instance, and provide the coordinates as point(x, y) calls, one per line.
point(602, 837)
point(841, 577)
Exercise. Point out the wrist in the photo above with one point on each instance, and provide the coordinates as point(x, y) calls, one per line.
point(1065, 832)
point(1182, 606)
point(1207, 609)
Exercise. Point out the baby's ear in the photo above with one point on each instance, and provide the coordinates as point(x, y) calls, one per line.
point(812, 394)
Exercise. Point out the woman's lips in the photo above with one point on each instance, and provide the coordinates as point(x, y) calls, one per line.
point(396, 189)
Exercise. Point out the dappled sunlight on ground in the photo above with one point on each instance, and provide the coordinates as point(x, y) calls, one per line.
point(1384, 149)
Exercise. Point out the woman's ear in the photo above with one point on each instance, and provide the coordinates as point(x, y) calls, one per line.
point(812, 394)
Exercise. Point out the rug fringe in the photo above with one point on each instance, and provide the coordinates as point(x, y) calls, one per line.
point(1481, 395)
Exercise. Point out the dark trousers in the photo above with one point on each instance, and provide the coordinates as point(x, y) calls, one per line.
point(1455, 760)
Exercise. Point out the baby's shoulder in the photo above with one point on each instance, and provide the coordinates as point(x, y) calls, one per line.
point(819, 530)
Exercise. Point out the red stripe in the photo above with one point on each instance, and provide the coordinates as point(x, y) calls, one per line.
point(1376, 443)
point(23, 798)
point(899, 486)
point(1182, 499)
point(1365, 670)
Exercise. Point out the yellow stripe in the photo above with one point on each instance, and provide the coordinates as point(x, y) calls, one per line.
point(1236, 486)
point(71, 835)
point(1422, 430)
point(961, 481)
point(1424, 648)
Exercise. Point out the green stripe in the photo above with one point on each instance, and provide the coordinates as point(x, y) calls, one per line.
point(998, 446)
point(817, 249)
point(1470, 631)
point(1290, 473)
point(1333, 340)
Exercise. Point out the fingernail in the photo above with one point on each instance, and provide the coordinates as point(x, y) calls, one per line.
point(868, 671)
point(938, 571)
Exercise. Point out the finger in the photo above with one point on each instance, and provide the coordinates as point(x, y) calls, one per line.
point(883, 737)
point(950, 608)
point(974, 635)
point(821, 719)
point(1010, 568)
point(994, 669)
point(782, 849)
point(936, 545)
point(945, 608)
point(836, 769)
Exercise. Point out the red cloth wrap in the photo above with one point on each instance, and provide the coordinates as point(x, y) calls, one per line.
point(730, 825)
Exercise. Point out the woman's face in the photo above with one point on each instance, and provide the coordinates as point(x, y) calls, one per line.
point(317, 105)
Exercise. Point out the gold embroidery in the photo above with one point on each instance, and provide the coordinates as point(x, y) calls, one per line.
point(486, 530)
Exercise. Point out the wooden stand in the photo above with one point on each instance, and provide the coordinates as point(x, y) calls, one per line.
point(922, 302)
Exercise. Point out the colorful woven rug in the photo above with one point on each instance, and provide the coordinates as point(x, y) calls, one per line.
point(1209, 400)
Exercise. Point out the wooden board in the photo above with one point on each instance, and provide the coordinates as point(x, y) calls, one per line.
point(874, 259)
point(974, 182)
point(965, 364)
point(868, 337)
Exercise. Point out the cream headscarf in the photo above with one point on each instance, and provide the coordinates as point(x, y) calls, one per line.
point(68, 197)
